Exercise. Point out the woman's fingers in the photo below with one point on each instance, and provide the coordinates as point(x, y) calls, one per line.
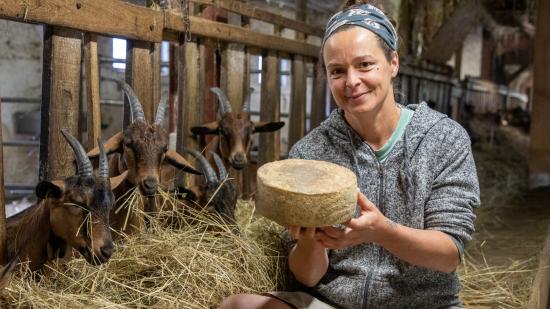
point(297, 232)
point(294, 231)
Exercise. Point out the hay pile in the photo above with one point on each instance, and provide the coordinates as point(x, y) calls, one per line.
point(188, 260)
point(501, 261)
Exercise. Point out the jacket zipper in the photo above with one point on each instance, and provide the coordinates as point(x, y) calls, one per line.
point(379, 204)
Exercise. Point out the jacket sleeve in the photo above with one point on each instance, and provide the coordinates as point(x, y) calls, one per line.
point(454, 196)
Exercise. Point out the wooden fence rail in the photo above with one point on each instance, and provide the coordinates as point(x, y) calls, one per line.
point(73, 25)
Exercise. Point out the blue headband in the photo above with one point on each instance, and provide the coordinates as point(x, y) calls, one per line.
point(368, 17)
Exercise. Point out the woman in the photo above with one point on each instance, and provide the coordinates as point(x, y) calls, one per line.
point(417, 180)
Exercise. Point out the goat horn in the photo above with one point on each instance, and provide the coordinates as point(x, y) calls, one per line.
point(246, 104)
point(207, 169)
point(225, 105)
point(135, 105)
point(161, 111)
point(219, 164)
point(83, 164)
point(103, 164)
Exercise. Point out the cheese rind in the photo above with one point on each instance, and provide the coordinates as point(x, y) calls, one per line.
point(307, 193)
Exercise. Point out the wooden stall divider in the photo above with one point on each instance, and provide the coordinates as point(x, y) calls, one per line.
point(60, 107)
point(91, 68)
point(3, 231)
point(270, 109)
point(297, 120)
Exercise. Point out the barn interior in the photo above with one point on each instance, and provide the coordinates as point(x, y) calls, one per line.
point(483, 63)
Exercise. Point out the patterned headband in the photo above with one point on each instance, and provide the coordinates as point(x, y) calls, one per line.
point(368, 17)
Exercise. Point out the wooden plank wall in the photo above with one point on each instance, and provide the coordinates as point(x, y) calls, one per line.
point(91, 68)
point(539, 148)
point(143, 75)
point(318, 97)
point(297, 121)
point(60, 100)
point(270, 109)
point(3, 231)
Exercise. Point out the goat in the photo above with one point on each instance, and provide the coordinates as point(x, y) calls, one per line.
point(217, 194)
point(234, 130)
point(142, 149)
point(70, 213)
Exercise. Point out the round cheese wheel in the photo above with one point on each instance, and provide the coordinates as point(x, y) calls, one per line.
point(306, 193)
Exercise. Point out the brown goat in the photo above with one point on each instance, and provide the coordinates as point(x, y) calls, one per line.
point(218, 194)
point(142, 150)
point(71, 213)
point(234, 130)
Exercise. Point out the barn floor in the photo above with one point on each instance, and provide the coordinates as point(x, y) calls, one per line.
point(512, 225)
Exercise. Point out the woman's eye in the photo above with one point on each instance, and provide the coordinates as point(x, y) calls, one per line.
point(365, 64)
point(336, 71)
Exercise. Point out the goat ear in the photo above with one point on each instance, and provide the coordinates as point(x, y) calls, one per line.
point(113, 144)
point(117, 180)
point(54, 189)
point(207, 128)
point(175, 159)
point(267, 126)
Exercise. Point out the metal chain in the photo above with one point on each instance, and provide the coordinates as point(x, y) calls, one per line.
point(186, 23)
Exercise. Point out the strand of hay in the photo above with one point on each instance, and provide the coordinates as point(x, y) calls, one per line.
point(502, 286)
point(501, 261)
point(193, 265)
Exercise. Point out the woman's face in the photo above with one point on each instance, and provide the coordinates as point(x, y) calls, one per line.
point(358, 73)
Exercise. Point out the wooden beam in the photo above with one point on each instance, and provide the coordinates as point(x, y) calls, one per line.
point(60, 101)
point(189, 103)
point(143, 75)
point(91, 67)
point(297, 122)
point(118, 18)
point(539, 147)
point(457, 26)
point(270, 110)
point(233, 72)
point(173, 87)
point(318, 97)
point(3, 231)
point(259, 14)
point(232, 81)
point(540, 290)
point(234, 34)
point(115, 18)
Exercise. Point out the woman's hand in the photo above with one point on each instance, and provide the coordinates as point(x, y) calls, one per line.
point(308, 260)
point(368, 227)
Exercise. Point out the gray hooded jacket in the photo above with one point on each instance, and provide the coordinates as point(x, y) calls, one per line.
point(428, 181)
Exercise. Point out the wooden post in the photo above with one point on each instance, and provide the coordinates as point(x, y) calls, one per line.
point(539, 149)
point(3, 232)
point(173, 87)
point(232, 81)
point(297, 123)
point(270, 110)
point(233, 71)
point(143, 75)
point(318, 97)
point(91, 67)
point(60, 101)
point(189, 107)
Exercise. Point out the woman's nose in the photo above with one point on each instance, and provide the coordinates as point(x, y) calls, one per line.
point(352, 79)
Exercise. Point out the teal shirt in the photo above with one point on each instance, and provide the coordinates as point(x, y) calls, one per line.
point(404, 118)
